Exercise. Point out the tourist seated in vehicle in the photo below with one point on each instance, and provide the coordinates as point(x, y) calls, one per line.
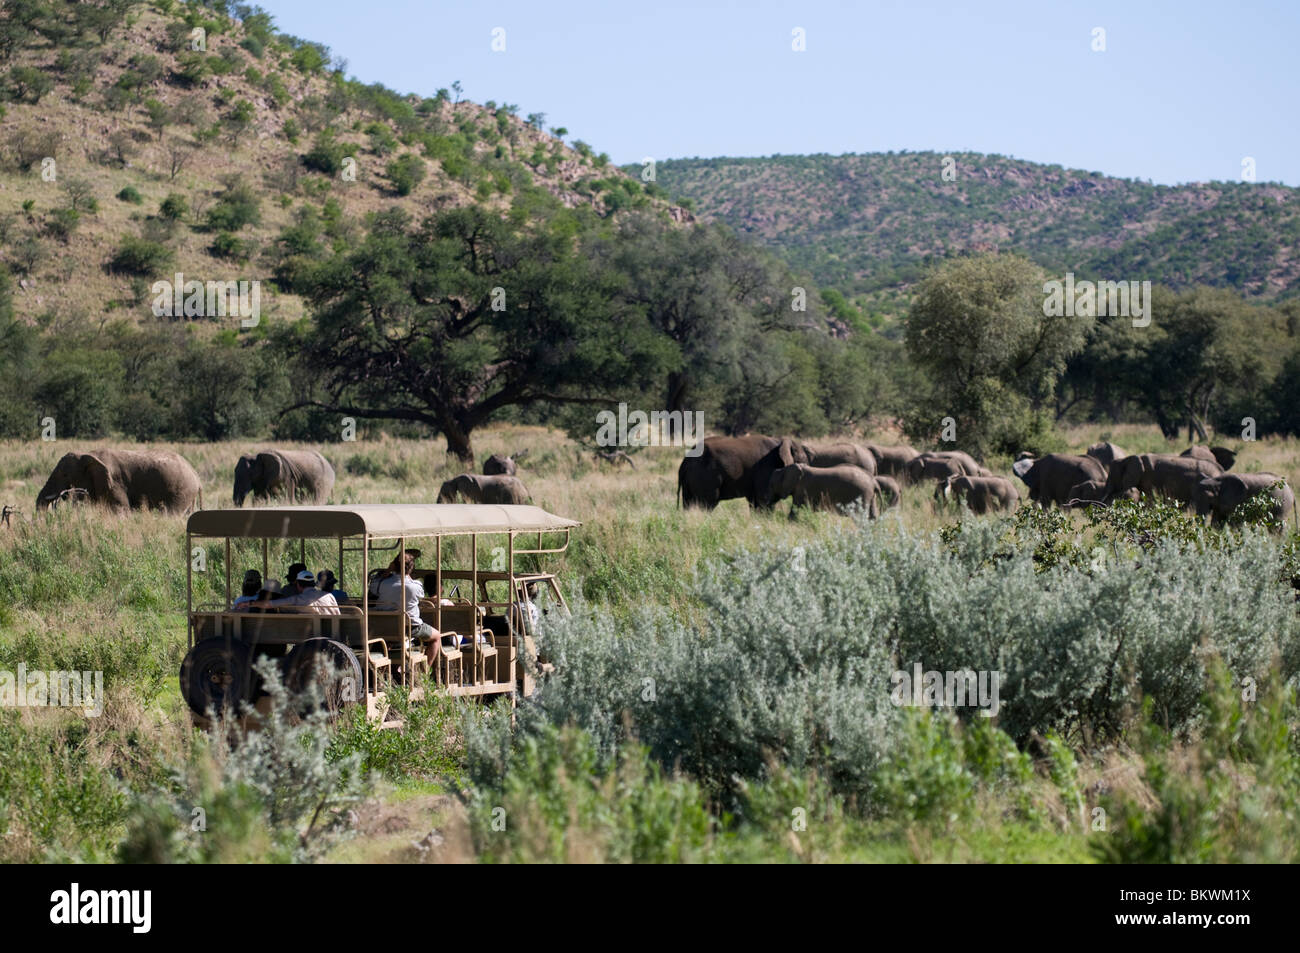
point(326, 582)
point(304, 593)
point(252, 586)
point(389, 596)
point(265, 598)
point(295, 569)
point(528, 608)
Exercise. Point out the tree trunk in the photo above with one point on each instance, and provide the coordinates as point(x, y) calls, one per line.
point(675, 399)
point(458, 442)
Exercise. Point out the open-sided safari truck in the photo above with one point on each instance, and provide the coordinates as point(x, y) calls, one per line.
point(355, 655)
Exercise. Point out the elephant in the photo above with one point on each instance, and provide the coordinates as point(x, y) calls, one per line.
point(1051, 478)
point(724, 470)
point(1224, 457)
point(842, 454)
point(891, 493)
point(292, 473)
point(1107, 453)
point(982, 494)
point(497, 488)
point(939, 465)
point(892, 461)
point(125, 480)
point(1161, 474)
point(1091, 491)
point(1220, 495)
point(500, 465)
point(825, 487)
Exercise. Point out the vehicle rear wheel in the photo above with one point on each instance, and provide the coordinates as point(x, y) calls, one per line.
point(215, 676)
point(322, 674)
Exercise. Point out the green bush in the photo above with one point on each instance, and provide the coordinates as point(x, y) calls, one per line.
point(131, 194)
point(272, 795)
point(174, 207)
point(326, 154)
point(237, 205)
point(227, 246)
point(405, 173)
point(557, 802)
point(138, 256)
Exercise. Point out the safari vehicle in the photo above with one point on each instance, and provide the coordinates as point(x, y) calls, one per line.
point(353, 657)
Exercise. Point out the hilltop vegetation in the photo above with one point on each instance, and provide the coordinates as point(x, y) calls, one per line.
point(235, 158)
point(438, 265)
point(131, 155)
point(870, 225)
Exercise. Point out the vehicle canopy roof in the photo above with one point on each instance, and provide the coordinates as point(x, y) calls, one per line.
point(377, 520)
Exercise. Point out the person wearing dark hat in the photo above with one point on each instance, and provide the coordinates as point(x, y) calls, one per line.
point(252, 586)
point(294, 570)
point(391, 596)
point(305, 593)
point(326, 581)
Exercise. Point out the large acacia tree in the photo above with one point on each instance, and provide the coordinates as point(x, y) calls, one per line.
point(451, 321)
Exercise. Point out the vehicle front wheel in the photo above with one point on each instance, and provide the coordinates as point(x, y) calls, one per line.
point(215, 676)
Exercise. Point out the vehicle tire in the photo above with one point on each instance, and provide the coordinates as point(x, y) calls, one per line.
point(322, 674)
point(215, 676)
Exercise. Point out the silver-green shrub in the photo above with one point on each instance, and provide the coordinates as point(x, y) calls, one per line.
point(789, 657)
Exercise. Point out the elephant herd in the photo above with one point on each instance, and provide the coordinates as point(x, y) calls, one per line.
point(163, 480)
point(764, 470)
point(760, 469)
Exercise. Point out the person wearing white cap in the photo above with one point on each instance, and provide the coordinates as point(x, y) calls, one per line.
point(305, 593)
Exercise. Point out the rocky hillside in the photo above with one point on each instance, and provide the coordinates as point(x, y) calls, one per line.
point(868, 224)
point(138, 140)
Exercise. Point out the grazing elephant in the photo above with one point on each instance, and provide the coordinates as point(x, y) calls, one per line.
point(891, 493)
point(892, 461)
point(292, 473)
point(724, 470)
point(982, 494)
point(1051, 478)
point(1221, 495)
point(842, 454)
point(1161, 474)
point(498, 488)
point(1224, 457)
point(1107, 453)
point(939, 465)
point(499, 465)
point(1092, 491)
point(825, 487)
point(125, 480)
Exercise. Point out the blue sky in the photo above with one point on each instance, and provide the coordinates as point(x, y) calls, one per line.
point(1182, 93)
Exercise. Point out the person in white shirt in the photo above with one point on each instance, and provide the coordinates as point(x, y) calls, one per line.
point(305, 593)
point(391, 597)
point(528, 608)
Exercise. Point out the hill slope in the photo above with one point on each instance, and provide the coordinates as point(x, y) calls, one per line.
point(867, 224)
point(123, 104)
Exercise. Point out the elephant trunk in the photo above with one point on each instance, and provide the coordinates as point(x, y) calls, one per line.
point(49, 493)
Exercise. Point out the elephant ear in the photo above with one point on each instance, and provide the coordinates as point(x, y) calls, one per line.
point(1023, 466)
point(785, 452)
point(101, 483)
point(270, 466)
